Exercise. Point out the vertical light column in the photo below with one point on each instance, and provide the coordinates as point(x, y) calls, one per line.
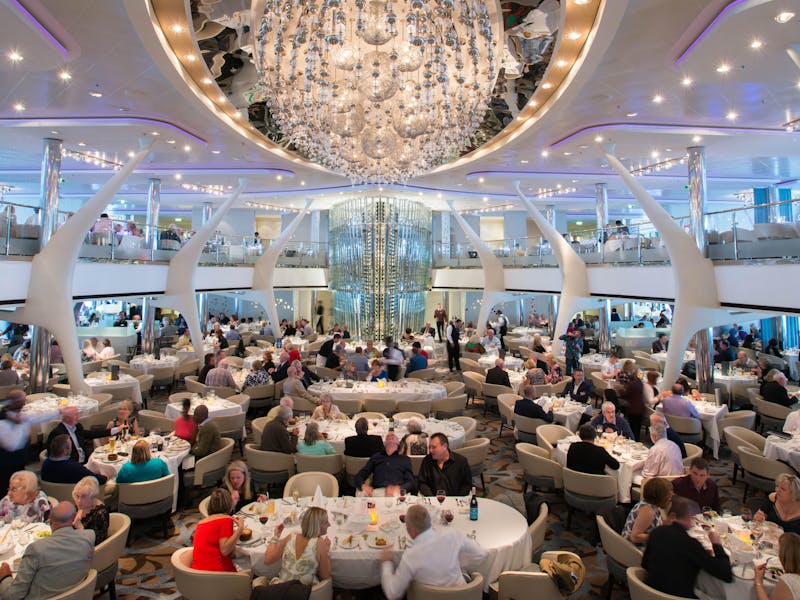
point(202, 297)
point(446, 233)
point(774, 210)
point(552, 315)
point(550, 214)
point(604, 327)
point(153, 209)
point(50, 189)
point(601, 206)
point(697, 201)
point(148, 333)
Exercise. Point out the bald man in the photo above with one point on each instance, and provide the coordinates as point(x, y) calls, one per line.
point(208, 437)
point(497, 374)
point(52, 564)
point(81, 440)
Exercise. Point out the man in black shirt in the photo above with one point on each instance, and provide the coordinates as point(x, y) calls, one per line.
point(327, 349)
point(444, 470)
point(586, 457)
point(497, 374)
point(390, 471)
point(527, 406)
point(579, 390)
point(362, 444)
point(673, 559)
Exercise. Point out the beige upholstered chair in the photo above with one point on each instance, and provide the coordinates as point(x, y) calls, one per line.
point(178, 397)
point(152, 420)
point(329, 463)
point(242, 400)
point(60, 491)
point(525, 428)
point(416, 463)
point(590, 493)
point(409, 415)
point(187, 367)
point(737, 436)
point(235, 361)
point(348, 406)
point(505, 404)
point(556, 389)
point(320, 591)
point(195, 386)
point(257, 425)
point(352, 465)
point(639, 590)
point(423, 374)
point(422, 407)
point(193, 584)
point(771, 415)
point(306, 484)
point(209, 469)
point(145, 385)
point(163, 377)
point(107, 553)
point(490, 393)
point(468, 591)
point(261, 396)
point(471, 366)
point(475, 451)
point(232, 426)
point(539, 470)
point(269, 468)
point(469, 424)
point(386, 406)
point(620, 553)
point(82, 591)
point(148, 499)
point(760, 471)
point(100, 419)
point(454, 388)
point(451, 406)
point(740, 418)
point(202, 508)
point(473, 384)
point(538, 529)
point(547, 436)
point(692, 452)
point(689, 428)
point(370, 415)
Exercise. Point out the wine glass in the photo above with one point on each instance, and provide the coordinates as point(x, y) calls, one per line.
point(296, 497)
point(448, 516)
point(747, 514)
point(440, 496)
point(403, 493)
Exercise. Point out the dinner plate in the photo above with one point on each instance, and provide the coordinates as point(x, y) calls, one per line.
point(745, 571)
point(379, 541)
point(773, 562)
point(349, 542)
point(253, 541)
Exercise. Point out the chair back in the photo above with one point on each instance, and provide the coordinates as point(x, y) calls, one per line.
point(692, 452)
point(420, 407)
point(107, 552)
point(215, 463)
point(740, 418)
point(474, 381)
point(306, 484)
point(146, 492)
point(191, 365)
point(327, 373)
point(369, 415)
point(556, 389)
point(538, 528)
point(451, 406)
point(60, 491)
point(235, 361)
point(261, 392)
point(617, 547)
point(467, 591)
point(747, 436)
point(92, 366)
point(257, 426)
point(771, 409)
point(551, 433)
point(542, 390)
point(348, 406)
point(101, 397)
point(585, 484)
point(527, 424)
point(163, 375)
point(472, 366)
point(194, 386)
point(231, 426)
point(153, 420)
point(641, 591)
point(242, 400)
point(493, 390)
point(475, 451)
point(754, 463)
point(521, 585)
point(423, 374)
point(409, 415)
point(685, 426)
point(194, 584)
point(100, 418)
point(416, 463)
point(454, 388)
point(82, 591)
point(178, 397)
point(469, 424)
point(382, 405)
point(146, 381)
point(268, 462)
point(329, 463)
point(353, 464)
point(536, 463)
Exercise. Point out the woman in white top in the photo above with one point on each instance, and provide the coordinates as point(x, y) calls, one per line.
point(89, 353)
point(788, 586)
point(650, 391)
point(107, 351)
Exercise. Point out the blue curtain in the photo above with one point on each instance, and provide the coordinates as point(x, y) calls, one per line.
point(761, 196)
point(785, 210)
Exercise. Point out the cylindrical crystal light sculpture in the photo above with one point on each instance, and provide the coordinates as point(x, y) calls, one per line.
point(380, 264)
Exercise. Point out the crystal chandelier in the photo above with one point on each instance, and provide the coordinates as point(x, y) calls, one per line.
point(378, 91)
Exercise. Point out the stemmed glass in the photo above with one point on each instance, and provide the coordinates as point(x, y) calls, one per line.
point(747, 515)
point(440, 496)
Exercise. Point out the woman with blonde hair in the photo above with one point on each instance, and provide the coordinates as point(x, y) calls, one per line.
point(783, 505)
point(313, 442)
point(415, 441)
point(304, 556)
point(788, 586)
point(538, 344)
point(142, 467)
point(474, 345)
point(237, 481)
point(124, 422)
point(554, 374)
point(24, 501)
point(92, 513)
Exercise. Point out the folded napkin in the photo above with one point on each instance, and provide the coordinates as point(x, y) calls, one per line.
point(318, 498)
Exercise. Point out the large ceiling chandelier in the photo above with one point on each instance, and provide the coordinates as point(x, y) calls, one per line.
point(378, 91)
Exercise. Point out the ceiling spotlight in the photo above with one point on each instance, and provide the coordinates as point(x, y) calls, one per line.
point(19, 106)
point(631, 114)
point(216, 151)
point(96, 94)
point(598, 139)
point(567, 153)
point(190, 58)
point(731, 116)
point(485, 199)
point(696, 139)
point(582, 2)
point(14, 56)
point(221, 99)
point(178, 176)
point(302, 183)
point(170, 141)
point(177, 28)
point(756, 44)
point(784, 17)
point(481, 179)
point(545, 153)
point(279, 177)
point(686, 81)
point(654, 154)
point(65, 75)
point(131, 153)
point(547, 86)
point(81, 144)
point(658, 99)
point(723, 68)
point(574, 35)
point(187, 148)
point(208, 80)
point(524, 162)
point(561, 63)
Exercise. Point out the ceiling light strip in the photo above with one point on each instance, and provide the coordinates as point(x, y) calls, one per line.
point(667, 163)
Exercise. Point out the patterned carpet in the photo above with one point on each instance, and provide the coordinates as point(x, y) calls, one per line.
point(145, 570)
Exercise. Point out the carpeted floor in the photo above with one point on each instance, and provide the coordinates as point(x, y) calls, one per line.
point(145, 568)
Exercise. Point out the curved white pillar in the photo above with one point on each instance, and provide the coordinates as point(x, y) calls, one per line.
point(575, 293)
point(263, 290)
point(49, 300)
point(696, 298)
point(494, 285)
point(180, 293)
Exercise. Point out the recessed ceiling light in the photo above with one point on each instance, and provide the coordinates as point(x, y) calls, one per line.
point(480, 180)
point(438, 195)
point(731, 116)
point(170, 141)
point(567, 153)
point(485, 199)
point(756, 44)
point(696, 139)
point(582, 2)
point(547, 86)
point(279, 177)
point(658, 99)
point(14, 56)
point(54, 131)
point(96, 94)
point(561, 63)
point(524, 162)
point(598, 138)
point(19, 106)
point(574, 35)
point(784, 17)
point(221, 98)
point(654, 154)
point(686, 81)
point(131, 153)
point(578, 222)
point(177, 28)
point(208, 80)
point(632, 114)
point(178, 176)
point(302, 183)
point(187, 148)
point(216, 151)
point(667, 149)
point(545, 153)
point(65, 75)
point(723, 68)
point(81, 144)
point(190, 58)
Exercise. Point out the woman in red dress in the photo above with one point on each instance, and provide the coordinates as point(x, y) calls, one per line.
point(215, 537)
point(185, 427)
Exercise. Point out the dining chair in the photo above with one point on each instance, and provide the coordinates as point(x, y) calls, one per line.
point(639, 589)
point(759, 471)
point(586, 492)
point(692, 452)
point(490, 393)
point(409, 415)
point(271, 469)
point(348, 406)
point(423, 374)
point(620, 554)
point(547, 436)
point(152, 420)
point(329, 463)
point(735, 440)
point(454, 388)
point(82, 591)
point(209, 469)
point(420, 407)
point(232, 427)
point(770, 415)
point(505, 404)
point(557, 389)
point(475, 451)
point(450, 406)
point(689, 428)
point(469, 424)
point(539, 470)
point(473, 590)
point(107, 553)
point(385, 406)
point(352, 465)
point(537, 531)
point(148, 500)
point(194, 584)
point(306, 484)
point(525, 428)
point(473, 384)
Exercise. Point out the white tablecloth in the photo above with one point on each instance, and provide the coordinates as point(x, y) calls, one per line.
point(629, 471)
point(710, 414)
point(86, 406)
point(530, 331)
point(778, 448)
point(567, 413)
point(629, 243)
point(735, 383)
point(217, 407)
point(249, 360)
point(148, 364)
point(337, 431)
point(397, 390)
point(15, 541)
point(173, 455)
point(510, 362)
point(185, 354)
point(501, 530)
point(296, 342)
point(592, 362)
point(661, 357)
point(100, 383)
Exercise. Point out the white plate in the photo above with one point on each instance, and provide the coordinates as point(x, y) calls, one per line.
point(349, 542)
point(745, 571)
point(372, 540)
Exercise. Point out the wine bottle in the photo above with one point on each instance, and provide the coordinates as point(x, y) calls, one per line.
point(473, 506)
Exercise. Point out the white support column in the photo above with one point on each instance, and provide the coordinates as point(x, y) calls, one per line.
point(263, 290)
point(49, 301)
point(494, 285)
point(153, 210)
point(180, 293)
point(604, 327)
point(575, 293)
point(601, 206)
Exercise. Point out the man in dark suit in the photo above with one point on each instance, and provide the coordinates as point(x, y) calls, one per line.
point(673, 559)
point(281, 372)
point(497, 375)
point(775, 390)
point(208, 437)
point(661, 344)
point(579, 390)
point(58, 467)
point(672, 435)
point(276, 437)
point(527, 407)
point(362, 444)
point(82, 446)
point(586, 457)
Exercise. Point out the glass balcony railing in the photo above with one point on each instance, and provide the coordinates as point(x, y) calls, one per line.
point(763, 232)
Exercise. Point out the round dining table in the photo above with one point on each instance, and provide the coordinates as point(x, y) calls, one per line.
point(14, 540)
point(500, 529)
point(217, 407)
point(101, 382)
point(397, 390)
point(147, 364)
point(52, 404)
point(566, 412)
point(335, 431)
point(509, 362)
